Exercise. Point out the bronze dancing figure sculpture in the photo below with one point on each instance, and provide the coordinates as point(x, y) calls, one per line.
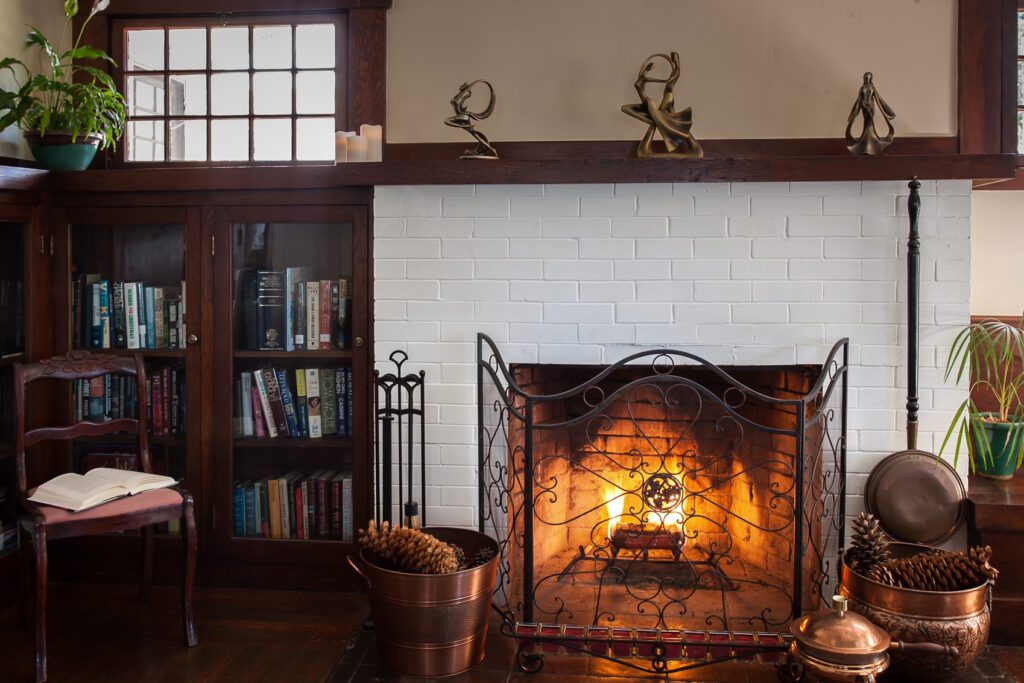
point(662, 117)
point(466, 120)
point(869, 142)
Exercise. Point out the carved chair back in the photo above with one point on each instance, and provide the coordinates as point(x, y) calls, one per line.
point(74, 366)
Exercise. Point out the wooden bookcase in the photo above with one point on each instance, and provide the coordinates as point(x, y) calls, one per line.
point(202, 240)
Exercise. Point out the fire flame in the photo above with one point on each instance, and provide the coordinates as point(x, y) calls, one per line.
point(671, 520)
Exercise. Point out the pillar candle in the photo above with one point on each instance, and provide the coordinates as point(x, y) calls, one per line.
point(375, 137)
point(358, 148)
point(341, 146)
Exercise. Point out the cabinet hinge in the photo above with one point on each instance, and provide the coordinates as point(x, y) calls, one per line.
point(213, 245)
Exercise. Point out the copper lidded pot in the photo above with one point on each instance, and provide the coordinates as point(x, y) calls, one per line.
point(839, 645)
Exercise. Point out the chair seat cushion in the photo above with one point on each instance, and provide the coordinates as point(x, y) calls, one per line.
point(129, 505)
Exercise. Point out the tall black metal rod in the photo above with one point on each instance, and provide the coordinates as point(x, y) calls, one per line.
point(914, 310)
point(423, 449)
point(401, 441)
point(385, 426)
point(798, 539)
point(377, 427)
point(410, 447)
point(480, 466)
point(842, 449)
point(528, 519)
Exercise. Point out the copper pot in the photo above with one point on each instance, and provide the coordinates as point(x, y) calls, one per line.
point(839, 645)
point(959, 619)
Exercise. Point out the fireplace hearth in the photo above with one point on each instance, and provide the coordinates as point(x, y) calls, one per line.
point(663, 493)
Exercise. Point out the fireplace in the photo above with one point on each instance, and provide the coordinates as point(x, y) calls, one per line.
point(663, 492)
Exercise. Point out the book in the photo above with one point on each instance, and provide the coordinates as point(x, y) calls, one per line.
point(276, 403)
point(274, 507)
point(313, 403)
point(349, 403)
point(300, 509)
point(120, 337)
point(301, 408)
point(336, 505)
point(287, 503)
point(292, 277)
point(236, 418)
point(140, 300)
point(259, 423)
point(131, 315)
point(325, 315)
point(347, 527)
point(103, 286)
point(344, 302)
point(340, 399)
point(264, 508)
point(328, 403)
point(323, 504)
point(245, 399)
point(268, 417)
point(269, 303)
point(238, 509)
point(160, 330)
point(300, 316)
point(312, 316)
point(78, 492)
point(172, 323)
point(252, 529)
point(181, 317)
point(289, 404)
point(149, 296)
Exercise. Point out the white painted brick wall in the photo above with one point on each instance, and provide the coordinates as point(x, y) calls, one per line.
point(740, 273)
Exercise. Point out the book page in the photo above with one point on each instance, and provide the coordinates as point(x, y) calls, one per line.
point(135, 482)
point(76, 486)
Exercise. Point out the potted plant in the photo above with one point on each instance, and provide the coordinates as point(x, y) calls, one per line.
point(69, 109)
point(992, 351)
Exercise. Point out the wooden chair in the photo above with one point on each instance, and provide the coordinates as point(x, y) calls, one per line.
point(43, 522)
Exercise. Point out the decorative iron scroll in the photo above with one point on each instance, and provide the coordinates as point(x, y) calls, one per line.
point(662, 495)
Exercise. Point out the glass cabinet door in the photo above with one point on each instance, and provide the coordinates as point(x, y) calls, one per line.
point(130, 293)
point(12, 349)
point(296, 354)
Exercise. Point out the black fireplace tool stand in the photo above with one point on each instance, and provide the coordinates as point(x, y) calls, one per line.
point(398, 414)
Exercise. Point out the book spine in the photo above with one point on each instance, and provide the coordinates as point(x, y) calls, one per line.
point(176, 377)
point(274, 507)
point(301, 407)
point(268, 417)
point(300, 511)
point(349, 403)
point(108, 392)
point(140, 303)
point(346, 508)
point(251, 527)
point(166, 388)
point(270, 322)
point(181, 317)
point(322, 505)
point(300, 315)
point(313, 402)
point(312, 316)
point(96, 399)
point(341, 328)
point(120, 328)
point(335, 508)
point(325, 315)
point(274, 398)
point(245, 382)
point(286, 529)
point(335, 313)
point(172, 324)
point(339, 397)
point(328, 403)
point(307, 508)
point(289, 404)
point(238, 510)
point(104, 287)
point(258, 421)
point(264, 509)
point(159, 338)
point(151, 322)
point(236, 418)
point(156, 397)
point(131, 315)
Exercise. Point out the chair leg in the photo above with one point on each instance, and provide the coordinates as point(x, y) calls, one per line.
point(147, 564)
point(190, 574)
point(25, 559)
point(40, 602)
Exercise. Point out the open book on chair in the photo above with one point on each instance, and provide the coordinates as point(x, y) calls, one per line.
point(78, 492)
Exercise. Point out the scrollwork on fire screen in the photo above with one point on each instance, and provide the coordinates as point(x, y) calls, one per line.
point(660, 501)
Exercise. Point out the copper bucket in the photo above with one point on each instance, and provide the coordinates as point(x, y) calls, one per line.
point(960, 619)
point(432, 625)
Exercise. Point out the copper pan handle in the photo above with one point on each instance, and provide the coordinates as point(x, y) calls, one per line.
point(926, 648)
point(358, 570)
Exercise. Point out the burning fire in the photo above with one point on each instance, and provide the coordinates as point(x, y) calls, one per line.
point(673, 520)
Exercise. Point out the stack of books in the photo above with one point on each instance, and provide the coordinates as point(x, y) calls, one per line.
point(127, 315)
point(304, 403)
point(109, 397)
point(286, 310)
point(315, 505)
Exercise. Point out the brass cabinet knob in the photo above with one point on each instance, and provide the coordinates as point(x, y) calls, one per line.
point(193, 339)
point(359, 342)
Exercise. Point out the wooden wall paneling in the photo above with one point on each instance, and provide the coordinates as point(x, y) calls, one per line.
point(367, 67)
point(980, 76)
point(1008, 58)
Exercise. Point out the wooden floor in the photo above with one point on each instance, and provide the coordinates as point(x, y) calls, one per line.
point(100, 633)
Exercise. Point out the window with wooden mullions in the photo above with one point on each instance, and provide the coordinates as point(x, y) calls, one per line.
point(241, 93)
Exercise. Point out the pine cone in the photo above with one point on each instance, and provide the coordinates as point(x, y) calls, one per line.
point(937, 570)
point(409, 549)
point(869, 545)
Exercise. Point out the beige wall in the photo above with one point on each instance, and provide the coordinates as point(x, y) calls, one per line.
point(16, 16)
point(751, 68)
point(997, 253)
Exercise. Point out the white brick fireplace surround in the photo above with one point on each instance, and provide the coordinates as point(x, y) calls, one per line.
point(740, 273)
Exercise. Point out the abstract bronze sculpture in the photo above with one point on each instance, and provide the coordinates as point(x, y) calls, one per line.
point(662, 117)
point(466, 120)
point(869, 142)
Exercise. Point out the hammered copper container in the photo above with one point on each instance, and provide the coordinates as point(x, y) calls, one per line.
point(957, 618)
point(432, 625)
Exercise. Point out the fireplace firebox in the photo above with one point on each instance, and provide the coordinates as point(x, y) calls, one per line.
point(663, 497)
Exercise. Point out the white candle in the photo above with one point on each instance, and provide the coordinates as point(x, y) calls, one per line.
point(358, 148)
point(375, 136)
point(341, 146)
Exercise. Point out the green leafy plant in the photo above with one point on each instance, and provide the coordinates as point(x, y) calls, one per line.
point(64, 95)
point(990, 351)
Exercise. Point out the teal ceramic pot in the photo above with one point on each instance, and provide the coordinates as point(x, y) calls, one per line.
point(1001, 436)
point(56, 151)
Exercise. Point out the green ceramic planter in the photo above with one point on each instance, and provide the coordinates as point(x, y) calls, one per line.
point(57, 151)
point(1000, 436)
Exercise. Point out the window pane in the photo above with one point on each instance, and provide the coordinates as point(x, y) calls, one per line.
point(1020, 132)
point(314, 46)
point(230, 139)
point(229, 94)
point(272, 47)
point(188, 95)
point(272, 139)
point(145, 95)
point(145, 50)
point(187, 48)
point(1020, 83)
point(272, 92)
point(314, 92)
point(229, 48)
point(1020, 33)
point(145, 141)
point(188, 141)
point(314, 139)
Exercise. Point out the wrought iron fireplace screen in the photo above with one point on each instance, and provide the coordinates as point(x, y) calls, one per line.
point(663, 492)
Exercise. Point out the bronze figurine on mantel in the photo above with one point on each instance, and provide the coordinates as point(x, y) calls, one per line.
point(466, 120)
point(661, 116)
point(867, 99)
